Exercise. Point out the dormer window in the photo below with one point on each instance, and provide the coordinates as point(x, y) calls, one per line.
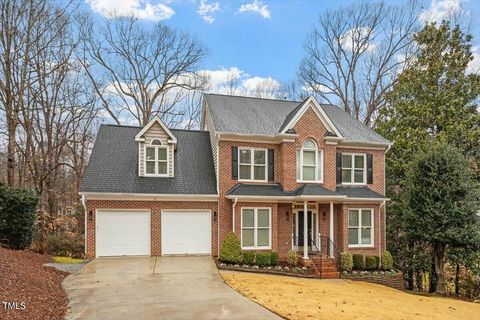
point(309, 162)
point(156, 158)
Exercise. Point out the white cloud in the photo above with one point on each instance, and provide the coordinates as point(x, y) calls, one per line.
point(141, 9)
point(256, 7)
point(355, 37)
point(440, 9)
point(206, 10)
point(474, 65)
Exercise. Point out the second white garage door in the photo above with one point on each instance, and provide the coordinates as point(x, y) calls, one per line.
point(186, 232)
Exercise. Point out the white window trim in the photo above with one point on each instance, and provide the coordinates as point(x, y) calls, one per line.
point(167, 147)
point(255, 227)
point(318, 163)
point(252, 164)
point(372, 231)
point(352, 168)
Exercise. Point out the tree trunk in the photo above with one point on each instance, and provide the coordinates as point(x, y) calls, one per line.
point(457, 279)
point(410, 279)
point(433, 278)
point(439, 255)
point(11, 153)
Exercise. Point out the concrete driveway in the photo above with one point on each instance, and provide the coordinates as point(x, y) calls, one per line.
point(156, 288)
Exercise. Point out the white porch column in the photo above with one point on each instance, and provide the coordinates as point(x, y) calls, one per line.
point(305, 230)
point(332, 233)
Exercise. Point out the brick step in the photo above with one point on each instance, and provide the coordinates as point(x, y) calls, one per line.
point(335, 275)
point(329, 269)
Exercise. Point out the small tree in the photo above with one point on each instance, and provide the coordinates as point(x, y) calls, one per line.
point(441, 204)
point(231, 251)
point(17, 217)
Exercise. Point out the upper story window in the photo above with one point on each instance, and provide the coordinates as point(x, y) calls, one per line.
point(309, 162)
point(156, 159)
point(252, 164)
point(354, 168)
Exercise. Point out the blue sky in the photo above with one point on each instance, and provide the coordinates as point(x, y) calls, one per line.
point(258, 39)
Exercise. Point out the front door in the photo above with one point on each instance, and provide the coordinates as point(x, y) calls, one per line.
point(301, 225)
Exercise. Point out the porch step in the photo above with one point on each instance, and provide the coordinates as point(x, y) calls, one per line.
point(327, 268)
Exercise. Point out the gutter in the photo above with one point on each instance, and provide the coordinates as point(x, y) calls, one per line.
point(82, 200)
point(380, 232)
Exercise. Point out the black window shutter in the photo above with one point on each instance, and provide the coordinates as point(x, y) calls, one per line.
point(235, 163)
point(369, 168)
point(339, 167)
point(271, 164)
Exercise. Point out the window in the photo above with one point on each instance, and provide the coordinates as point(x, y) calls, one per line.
point(256, 228)
point(252, 164)
point(360, 227)
point(156, 159)
point(353, 168)
point(309, 162)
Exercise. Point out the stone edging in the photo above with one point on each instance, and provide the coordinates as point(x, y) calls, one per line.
point(390, 280)
point(266, 271)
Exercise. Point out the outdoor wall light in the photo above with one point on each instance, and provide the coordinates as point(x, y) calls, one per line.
point(90, 215)
point(215, 215)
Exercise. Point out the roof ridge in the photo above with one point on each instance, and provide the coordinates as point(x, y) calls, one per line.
point(139, 127)
point(248, 97)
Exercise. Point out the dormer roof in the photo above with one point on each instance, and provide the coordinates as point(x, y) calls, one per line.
point(139, 136)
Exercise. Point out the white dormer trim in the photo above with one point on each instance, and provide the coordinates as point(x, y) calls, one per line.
point(139, 136)
point(312, 102)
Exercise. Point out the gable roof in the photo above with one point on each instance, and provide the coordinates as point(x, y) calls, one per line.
point(113, 164)
point(257, 116)
point(139, 135)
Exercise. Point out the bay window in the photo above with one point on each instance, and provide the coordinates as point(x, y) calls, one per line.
point(360, 228)
point(256, 228)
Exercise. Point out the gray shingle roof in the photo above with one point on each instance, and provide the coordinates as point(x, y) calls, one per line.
point(359, 192)
point(247, 115)
point(113, 165)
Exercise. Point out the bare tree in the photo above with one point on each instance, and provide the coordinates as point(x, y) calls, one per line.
point(141, 73)
point(354, 54)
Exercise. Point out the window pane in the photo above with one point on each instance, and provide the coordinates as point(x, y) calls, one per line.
point(366, 236)
point(156, 142)
point(309, 158)
point(259, 173)
point(244, 156)
point(150, 153)
point(353, 218)
point(259, 157)
point(346, 175)
point(263, 218)
point(346, 161)
point(319, 165)
point(247, 238)
point(162, 154)
point(247, 218)
point(162, 167)
point(298, 164)
point(366, 218)
point(358, 176)
point(352, 236)
point(245, 172)
point(308, 173)
point(150, 167)
point(359, 162)
point(263, 238)
point(309, 144)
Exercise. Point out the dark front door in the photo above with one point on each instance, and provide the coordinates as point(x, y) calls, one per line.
point(300, 227)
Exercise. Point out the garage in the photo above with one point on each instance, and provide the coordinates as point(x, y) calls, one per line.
point(123, 233)
point(186, 232)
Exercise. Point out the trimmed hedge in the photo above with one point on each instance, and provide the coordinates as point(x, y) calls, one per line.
point(249, 257)
point(358, 262)
point(18, 217)
point(231, 251)
point(372, 262)
point(263, 259)
point(346, 261)
point(387, 261)
point(274, 258)
point(292, 258)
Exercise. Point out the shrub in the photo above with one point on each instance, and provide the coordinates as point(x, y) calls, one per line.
point(17, 217)
point(67, 244)
point(346, 261)
point(274, 258)
point(387, 261)
point(263, 259)
point(231, 251)
point(249, 257)
point(371, 262)
point(357, 262)
point(292, 258)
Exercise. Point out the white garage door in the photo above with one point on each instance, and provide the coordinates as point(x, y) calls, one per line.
point(186, 232)
point(123, 233)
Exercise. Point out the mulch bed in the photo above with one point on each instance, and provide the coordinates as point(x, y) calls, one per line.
point(24, 278)
point(309, 274)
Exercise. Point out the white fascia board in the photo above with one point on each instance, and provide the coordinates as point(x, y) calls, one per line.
point(138, 137)
point(350, 199)
point(148, 196)
point(243, 137)
point(365, 145)
point(285, 198)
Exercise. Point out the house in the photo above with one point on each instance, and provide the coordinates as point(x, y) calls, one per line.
point(281, 174)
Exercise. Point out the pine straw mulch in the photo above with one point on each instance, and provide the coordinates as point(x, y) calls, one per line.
point(24, 278)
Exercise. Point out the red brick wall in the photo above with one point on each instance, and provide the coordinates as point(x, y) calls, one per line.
point(155, 208)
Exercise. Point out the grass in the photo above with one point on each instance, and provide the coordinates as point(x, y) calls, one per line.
point(67, 260)
point(297, 298)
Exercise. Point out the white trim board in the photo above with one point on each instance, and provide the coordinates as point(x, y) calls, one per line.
point(138, 137)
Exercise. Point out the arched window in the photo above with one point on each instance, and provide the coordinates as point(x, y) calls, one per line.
point(309, 162)
point(156, 158)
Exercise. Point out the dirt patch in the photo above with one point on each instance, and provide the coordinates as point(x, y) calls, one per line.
point(24, 278)
point(296, 298)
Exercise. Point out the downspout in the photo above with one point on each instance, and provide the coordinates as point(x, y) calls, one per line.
point(380, 231)
point(85, 223)
point(233, 214)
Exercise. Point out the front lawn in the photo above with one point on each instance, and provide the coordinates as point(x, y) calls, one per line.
point(297, 298)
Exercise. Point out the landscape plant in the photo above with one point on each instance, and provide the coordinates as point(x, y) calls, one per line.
point(274, 258)
point(387, 261)
point(263, 259)
point(249, 257)
point(358, 262)
point(231, 251)
point(371, 263)
point(292, 258)
point(346, 261)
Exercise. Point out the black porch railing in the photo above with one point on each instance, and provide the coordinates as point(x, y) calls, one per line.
point(326, 248)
